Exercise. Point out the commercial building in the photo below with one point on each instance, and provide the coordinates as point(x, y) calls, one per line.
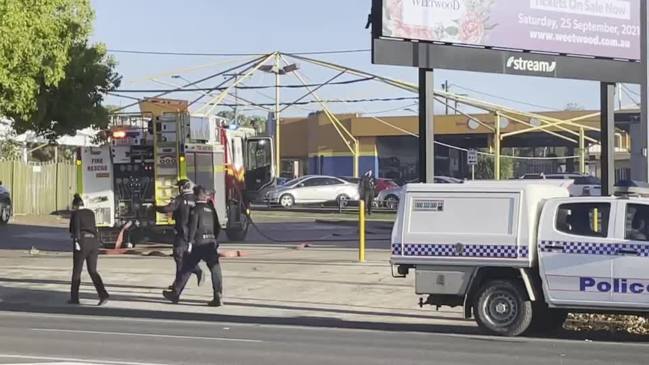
point(389, 146)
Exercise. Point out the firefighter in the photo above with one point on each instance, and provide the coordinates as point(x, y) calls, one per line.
point(204, 230)
point(366, 190)
point(180, 208)
point(85, 248)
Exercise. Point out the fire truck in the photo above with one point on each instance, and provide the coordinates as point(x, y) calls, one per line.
point(146, 153)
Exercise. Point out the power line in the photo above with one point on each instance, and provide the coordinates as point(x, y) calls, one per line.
point(255, 87)
point(171, 53)
point(546, 108)
point(368, 100)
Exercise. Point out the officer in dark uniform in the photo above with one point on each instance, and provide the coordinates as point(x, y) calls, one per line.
point(366, 190)
point(85, 248)
point(204, 229)
point(180, 208)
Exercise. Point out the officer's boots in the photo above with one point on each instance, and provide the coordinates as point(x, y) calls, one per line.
point(217, 301)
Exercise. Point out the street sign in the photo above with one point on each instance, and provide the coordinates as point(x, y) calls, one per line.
point(472, 157)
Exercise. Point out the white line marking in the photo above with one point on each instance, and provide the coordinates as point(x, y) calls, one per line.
point(83, 361)
point(148, 335)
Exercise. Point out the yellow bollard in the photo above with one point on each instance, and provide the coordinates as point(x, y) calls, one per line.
point(361, 229)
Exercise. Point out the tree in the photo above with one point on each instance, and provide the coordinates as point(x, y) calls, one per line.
point(485, 168)
point(76, 102)
point(35, 42)
point(254, 121)
point(9, 149)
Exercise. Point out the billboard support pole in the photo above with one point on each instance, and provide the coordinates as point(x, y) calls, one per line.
point(497, 148)
point(639, 154)
point(607, 157)
point(582, 151)
point(426, 126)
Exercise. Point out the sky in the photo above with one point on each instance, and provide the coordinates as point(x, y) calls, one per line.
point(262, 26)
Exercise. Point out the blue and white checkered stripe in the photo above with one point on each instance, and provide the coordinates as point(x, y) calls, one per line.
point(451, 250)
point(594, 248)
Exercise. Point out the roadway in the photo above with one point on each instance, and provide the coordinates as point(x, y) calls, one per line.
point(71, 339)
point(324, 228)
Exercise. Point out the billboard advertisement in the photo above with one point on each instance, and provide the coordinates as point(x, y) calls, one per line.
point(595, 28)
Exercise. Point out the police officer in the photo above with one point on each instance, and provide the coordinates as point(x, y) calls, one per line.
point(366, 190)
point(85, 248)
point(180, 208)
point(204, 229)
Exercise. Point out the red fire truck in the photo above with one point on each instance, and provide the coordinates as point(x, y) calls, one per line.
point(146, 153)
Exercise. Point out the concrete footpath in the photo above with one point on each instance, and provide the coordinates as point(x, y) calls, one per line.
point(272, 284)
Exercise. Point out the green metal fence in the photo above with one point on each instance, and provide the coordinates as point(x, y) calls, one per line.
point(39, 188)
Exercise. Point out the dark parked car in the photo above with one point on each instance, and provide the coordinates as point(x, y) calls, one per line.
point(5, 205)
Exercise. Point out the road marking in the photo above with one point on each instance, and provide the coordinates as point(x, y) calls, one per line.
point(225, 339)
point(72, 360)
point(58, 363)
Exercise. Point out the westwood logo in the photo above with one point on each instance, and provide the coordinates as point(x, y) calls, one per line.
point(526, 65)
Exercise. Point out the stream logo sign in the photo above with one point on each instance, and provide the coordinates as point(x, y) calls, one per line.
point(530, 66)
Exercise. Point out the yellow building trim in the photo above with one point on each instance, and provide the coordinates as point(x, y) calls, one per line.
point(341, 154)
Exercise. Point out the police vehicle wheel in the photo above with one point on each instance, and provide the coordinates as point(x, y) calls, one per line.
point(503, 308)
point(5, 213)
point(287, 201)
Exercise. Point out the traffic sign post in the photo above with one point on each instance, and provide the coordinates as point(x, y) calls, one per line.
point(472, 160)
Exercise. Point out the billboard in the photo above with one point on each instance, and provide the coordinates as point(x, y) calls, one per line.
point(594, 28)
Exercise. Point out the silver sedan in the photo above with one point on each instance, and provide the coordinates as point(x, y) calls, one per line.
point(313, 190)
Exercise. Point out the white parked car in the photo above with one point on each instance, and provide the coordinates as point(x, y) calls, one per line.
point(313, 189)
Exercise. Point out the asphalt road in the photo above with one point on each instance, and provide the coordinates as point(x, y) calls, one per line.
point(68, 339)
point(277, 227)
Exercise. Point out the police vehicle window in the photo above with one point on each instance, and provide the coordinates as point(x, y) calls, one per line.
point(584, 219)
point(637, 217)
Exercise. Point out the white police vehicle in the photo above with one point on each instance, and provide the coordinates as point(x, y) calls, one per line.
point(519, 256)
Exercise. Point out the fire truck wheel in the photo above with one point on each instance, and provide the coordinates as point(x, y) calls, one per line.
point(287, 201)
point(503, 308)
point(238, 234)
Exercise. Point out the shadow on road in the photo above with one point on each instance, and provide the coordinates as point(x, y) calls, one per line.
point(34, 306)
point(24, 237)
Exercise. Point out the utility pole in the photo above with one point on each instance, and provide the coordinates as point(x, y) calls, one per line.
point(445, 87)
point(277, 116)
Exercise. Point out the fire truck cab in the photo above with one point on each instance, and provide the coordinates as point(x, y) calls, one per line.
point(147, 153)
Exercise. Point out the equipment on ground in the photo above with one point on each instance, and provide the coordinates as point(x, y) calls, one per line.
point(519, 256)
point(146, 153)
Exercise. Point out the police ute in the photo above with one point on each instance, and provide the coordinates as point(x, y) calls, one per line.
point(519, 256)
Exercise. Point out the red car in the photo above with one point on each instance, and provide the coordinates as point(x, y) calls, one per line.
point(384, 184)
point(380, 184)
